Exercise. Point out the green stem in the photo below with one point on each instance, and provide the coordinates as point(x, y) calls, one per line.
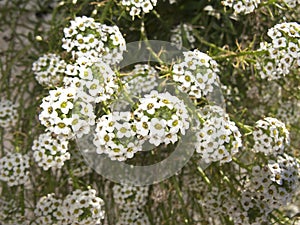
point(145, 39)
point(22, 199)
point(105, 11)
point(231, 54)
point(245, 128)
point(203, 175)
point(203, 41)
point(179, 193)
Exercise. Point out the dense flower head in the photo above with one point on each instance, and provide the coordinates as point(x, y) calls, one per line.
point(289, 111)
point(115, 136)
point(245, 209)
point(127, 196)
point(242, 6)
point(270, 136)
point(87, 39)
point(8, 113)
point(161, 118)
point(283, 53)
point(213, 201)
point(197, 74)
point(276, 182)
point(46, 209)
point(10, 213)
point(218, 138)
point(95, 82)
point(181, 33)
point(81, 207)
point(136, 8)
point(130, 201)
point(141, 80)
point(14, 169)
point(63, 113)
point(49, 70)
point(133, 217)
point(50, 151)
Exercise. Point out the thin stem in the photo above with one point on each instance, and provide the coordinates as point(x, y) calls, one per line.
point(145, 39)
point(180, 195)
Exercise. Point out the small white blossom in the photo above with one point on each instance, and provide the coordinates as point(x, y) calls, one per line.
point(49, 70)
point(49, 151)
point(270, 136)
point(89, 40)
point(14, 169)
point(8, 114)
point(180, 33)
point(197, 74)
point(218, 138)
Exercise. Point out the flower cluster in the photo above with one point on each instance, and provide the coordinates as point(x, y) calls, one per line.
point(133, 217)
point(10, 212)
point(115, 136)
point(160, 118)
point(46, 210)
point(276, 182)
point(282, 53)
point(95, 82)
point(49, 151)
point(197, 74)
point(289, 112)
point(218, 138)
point(244, 209)
point(64, 114)
point(142, 79)
point(213, 201)
point(270, 136)
point(131, 200)
point(182, 33)
point(14, 169)
point(49, 70)
point(136, 8)
point(89, 40)
point(240, 6)
point(81, 207)
point(8, 113)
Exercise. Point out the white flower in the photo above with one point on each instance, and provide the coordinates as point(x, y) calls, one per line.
point(143, 126)
point(46, 209)
point(157, 127)
point(239, 7)
point(130, 196)
point(160, 118)
point(270, 136)
point(196, 74)
point(49, 69)
point(115, 136)
point(135, 7)
point(142, 79)
point(85, 73)
point(14, 169)
point(124, 130)
point(81, 204)
point(50, 151)
point(218, 139)
point(8, 113)
point(149, 105)
point(88, 41)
